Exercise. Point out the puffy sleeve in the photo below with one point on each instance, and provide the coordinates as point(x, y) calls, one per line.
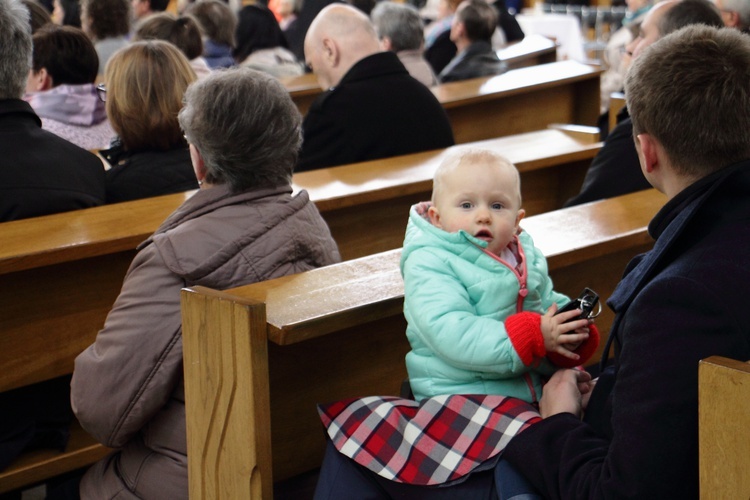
point(135, 363)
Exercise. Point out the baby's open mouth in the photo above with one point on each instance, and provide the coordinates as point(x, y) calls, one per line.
point(483, 235)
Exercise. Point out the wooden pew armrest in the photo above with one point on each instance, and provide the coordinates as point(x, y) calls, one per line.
point(584, 133)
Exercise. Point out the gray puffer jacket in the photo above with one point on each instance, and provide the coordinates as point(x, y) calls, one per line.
point(127, 388)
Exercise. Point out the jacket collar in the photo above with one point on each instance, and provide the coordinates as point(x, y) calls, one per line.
point(208, 200)
point(375, 65)
point(666, 227)
point(18, 106)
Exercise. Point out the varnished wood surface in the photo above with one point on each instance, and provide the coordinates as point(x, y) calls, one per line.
point(616, 103)
point(724, 428)
point(534, 49)
point(338, 332)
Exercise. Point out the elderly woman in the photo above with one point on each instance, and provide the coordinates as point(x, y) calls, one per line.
point(146, 82)
point(244, 225)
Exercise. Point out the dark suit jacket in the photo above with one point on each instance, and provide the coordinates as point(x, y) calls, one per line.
point(615, 170)
point(682, 302)
point(377, 111)
point(477, 60)
point(40, 172)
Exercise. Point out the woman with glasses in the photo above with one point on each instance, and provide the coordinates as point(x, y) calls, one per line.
point(145, 84)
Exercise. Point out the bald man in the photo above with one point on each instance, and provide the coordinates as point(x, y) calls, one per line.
point(615, 170)
point(371, 107)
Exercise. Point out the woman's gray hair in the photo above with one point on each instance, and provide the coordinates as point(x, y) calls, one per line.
point(245, 126)
point(15, 48)
point(400, 23)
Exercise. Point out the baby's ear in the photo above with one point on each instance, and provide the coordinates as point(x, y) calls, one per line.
point(434, 216)
point(521, 214)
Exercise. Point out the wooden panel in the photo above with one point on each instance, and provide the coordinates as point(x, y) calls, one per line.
point(228, 338)
point(724, 420)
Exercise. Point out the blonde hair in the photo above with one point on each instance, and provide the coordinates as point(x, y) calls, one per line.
point(467, 156)
point(146, 82)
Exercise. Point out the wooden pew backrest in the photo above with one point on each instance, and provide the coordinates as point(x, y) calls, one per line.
point(724, 428)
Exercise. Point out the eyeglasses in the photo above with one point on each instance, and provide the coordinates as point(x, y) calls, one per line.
point(101, 91)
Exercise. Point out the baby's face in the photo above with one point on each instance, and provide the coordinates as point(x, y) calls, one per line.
point(482, 199)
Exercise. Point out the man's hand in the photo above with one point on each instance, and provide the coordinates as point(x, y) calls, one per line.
point(564, 393)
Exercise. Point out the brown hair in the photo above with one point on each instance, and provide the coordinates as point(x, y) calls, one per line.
point(106, 18)
point(146, 82)
point(183, 32)
point(217, 20)
point(66, 53)
point(690, 91)
point(479, 19)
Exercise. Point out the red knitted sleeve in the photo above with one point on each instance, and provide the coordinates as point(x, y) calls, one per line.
point(585, 351)
point(525, 333)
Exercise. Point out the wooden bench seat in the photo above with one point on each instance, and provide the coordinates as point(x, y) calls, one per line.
point(724, 428)
point(258, 358)
point(518, 101)
point(533, 50)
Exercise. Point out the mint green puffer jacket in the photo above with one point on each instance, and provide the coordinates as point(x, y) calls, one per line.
point(456, 300)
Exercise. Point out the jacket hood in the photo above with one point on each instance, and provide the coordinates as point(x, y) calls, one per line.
point(71, 104)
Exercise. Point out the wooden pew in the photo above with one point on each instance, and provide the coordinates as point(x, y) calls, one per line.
point(532, 50)
point(518, 101)
point(74, 263)
point(377, 195)
point(258, 358)
point(616, 103)
point(723, 423)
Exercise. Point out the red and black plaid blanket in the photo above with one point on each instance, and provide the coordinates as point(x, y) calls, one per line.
point(436, 441)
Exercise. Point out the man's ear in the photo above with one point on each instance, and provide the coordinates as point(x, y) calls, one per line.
point(434, 216)
point(40, 80)
point(648, 152)
point(385, 44)
point(331, 52)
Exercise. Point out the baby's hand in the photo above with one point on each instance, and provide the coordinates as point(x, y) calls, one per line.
point(561, 335)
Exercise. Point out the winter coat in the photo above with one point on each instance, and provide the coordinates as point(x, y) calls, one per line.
point(457, 299)
point(127, 388)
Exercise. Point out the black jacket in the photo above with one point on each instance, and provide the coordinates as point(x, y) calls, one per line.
point(377, 111)
point(682, 302)
point(143, 174)
point(40, 172)
point(615, 170)
point(477, 60)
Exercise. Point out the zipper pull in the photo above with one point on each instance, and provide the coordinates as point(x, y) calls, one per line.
point(523, 292)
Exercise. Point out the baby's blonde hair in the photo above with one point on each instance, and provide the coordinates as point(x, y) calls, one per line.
point(468, 156)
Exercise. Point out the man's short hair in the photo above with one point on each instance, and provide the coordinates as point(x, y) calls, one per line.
point(479, 19)
point(741, 7)
point(15, 49)
point(66, 53)
point(400, 23)
point(689, 12)
point(690, 91)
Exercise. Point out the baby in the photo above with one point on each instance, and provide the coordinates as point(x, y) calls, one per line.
point(478, 299)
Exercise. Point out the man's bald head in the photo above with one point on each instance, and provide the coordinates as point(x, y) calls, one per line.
point(338, 38)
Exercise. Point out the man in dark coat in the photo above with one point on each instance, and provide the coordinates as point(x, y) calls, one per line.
point(371, 108)
point(40, 173)
point(682, 302)
point(615, 169)
point(471, 31)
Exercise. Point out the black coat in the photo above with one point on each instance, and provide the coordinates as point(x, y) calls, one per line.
point(377, 111)
point(40, 172)
point(682, 302)
point(615, 170)
point(144, 174)
point(477, 60)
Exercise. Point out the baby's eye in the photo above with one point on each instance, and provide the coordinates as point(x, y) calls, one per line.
point(466, 205)
point(497, 206)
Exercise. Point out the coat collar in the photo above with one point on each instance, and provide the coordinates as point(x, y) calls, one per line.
point(375, 65)
point(18, 106)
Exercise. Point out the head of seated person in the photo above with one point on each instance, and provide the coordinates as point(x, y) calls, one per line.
point(338, 38)
point(103, 19)
point(400, 30)
point(67, 13)
point(38, 15)
point(61, 89)
point(183, 32)
point(218, 24)
point(262, 45)
point(146, 82)
point(475, 21)
point(145, 8)
point(243, 129)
